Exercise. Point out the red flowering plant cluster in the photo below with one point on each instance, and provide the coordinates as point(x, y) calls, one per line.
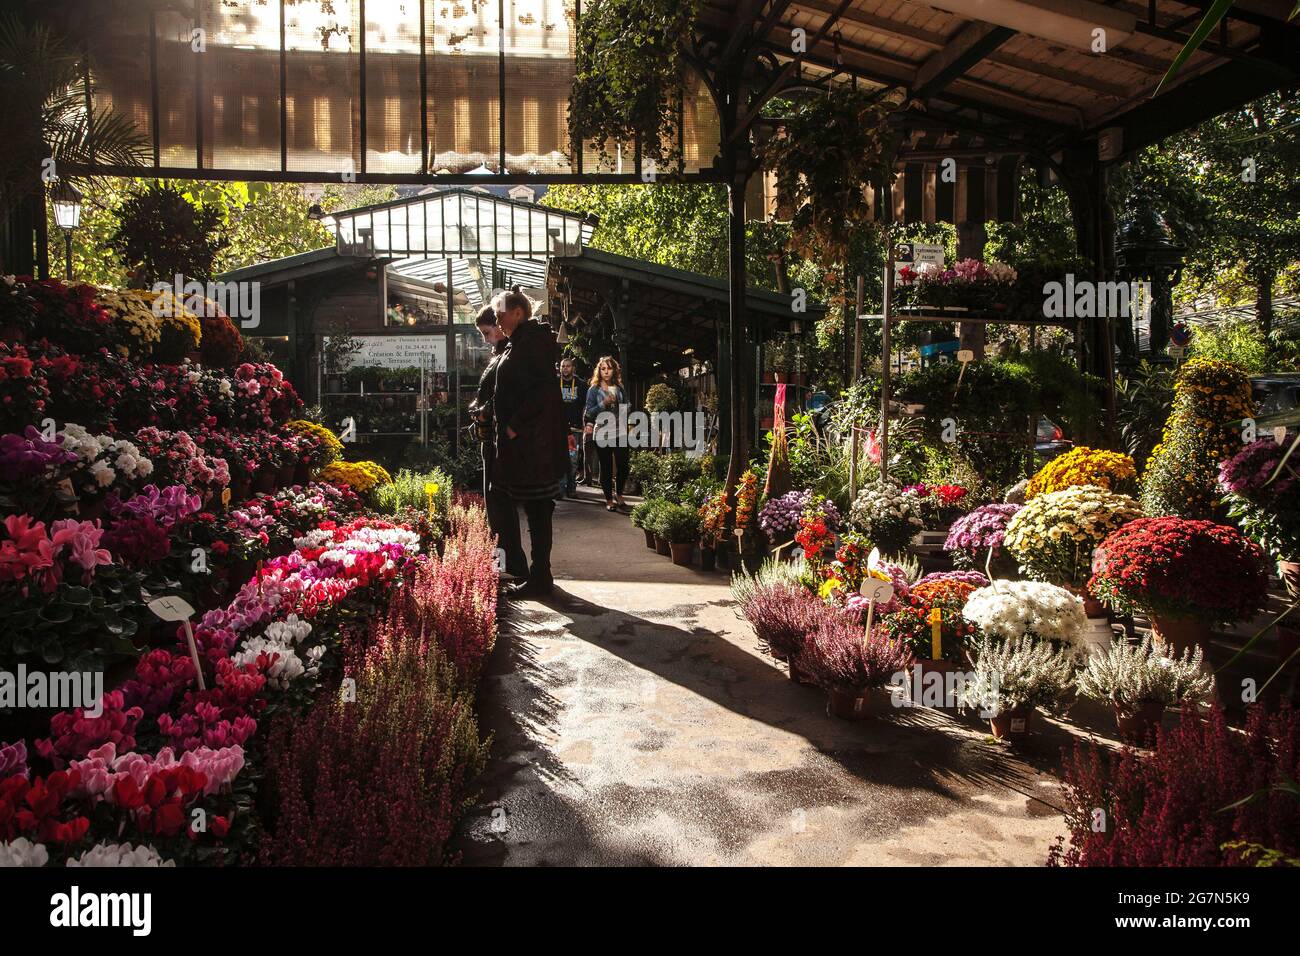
point(1207, 795)
point(221, 344)
point(940, 504)
point(264, 398)
point(815, 536)
point(910, 625)
point(36, 810)
point(1180, 567)
point(24, 388)
point(68, 315)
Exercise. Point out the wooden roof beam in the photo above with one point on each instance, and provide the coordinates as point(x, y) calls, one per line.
point(969, 45)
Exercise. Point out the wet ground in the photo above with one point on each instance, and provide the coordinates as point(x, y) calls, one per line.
point(637, 722)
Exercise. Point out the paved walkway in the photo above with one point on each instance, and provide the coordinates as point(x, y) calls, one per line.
point(637, 722)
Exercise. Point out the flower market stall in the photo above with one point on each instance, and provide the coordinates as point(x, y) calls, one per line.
point(336, 618)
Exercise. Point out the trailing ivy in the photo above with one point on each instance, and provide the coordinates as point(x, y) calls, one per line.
point(628, 75)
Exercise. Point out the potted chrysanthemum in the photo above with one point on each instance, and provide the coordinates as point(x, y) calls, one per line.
point(1009, 610)
point(975, 539)
point(1184, 574)
point(856, 671)
point(1054, 535)
point(886, 516)
point(681, 528)
point(1011, 679)
point(1141, 680)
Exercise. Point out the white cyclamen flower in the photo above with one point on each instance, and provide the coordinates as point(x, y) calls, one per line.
point(120, 854)
point(23, 852)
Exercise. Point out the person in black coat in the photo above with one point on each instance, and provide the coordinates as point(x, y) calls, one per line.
point(529, 428)
point(500, 509)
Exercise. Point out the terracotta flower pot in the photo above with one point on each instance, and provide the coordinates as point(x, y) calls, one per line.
point(708, 557)
point(919, 680)
point(683, 552)
point(302, 473)
point(1138, 724)
point(797, 673)
point(662, 546)
point(1182, 633)
point(1017, 722)
point(778, 653)
point(284, 475)
point(860, 705)
point(1289, 572)
point(649, 538)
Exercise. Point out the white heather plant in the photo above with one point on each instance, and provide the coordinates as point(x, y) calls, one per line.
point(770, 572)
point(1007, 675)
point(1006, 610)
point(1128, 675)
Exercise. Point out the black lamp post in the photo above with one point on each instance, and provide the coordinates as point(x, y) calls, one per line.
point(1146, 252)
point(66, 201)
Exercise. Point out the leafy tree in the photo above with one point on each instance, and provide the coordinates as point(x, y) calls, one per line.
point(165, 234)
point(1230, 192)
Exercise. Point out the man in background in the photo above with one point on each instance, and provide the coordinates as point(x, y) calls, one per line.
point(573, 392)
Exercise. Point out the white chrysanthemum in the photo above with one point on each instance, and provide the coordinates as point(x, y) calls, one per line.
point(120, 854)
point(23, 852)
point(1009, 610)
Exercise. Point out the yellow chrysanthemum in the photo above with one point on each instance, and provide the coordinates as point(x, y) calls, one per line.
point(361, 476)
point(1083, 466)
point(331, 447)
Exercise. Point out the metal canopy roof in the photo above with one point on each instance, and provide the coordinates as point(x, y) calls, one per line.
point(666, 310)
point(445, 91)
point(459, 224)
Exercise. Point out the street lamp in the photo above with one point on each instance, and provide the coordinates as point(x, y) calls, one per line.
point(67, 215)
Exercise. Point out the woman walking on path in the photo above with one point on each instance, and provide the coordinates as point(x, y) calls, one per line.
point(606, 395)
point(531, 447)
point(500, 509)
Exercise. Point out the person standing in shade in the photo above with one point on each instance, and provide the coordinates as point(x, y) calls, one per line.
point(528, 414)
point(574, 395)
point(500, 509)
point(606, 395)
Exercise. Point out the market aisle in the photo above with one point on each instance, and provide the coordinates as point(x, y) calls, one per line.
point(637, 722)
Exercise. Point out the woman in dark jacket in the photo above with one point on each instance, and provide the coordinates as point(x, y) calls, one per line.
point(500, 509)
point(528, 413)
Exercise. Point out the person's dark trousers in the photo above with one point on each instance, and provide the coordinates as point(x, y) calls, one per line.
point(610, 459)
point(503, 521)
point(539, 514)
point(590, 460)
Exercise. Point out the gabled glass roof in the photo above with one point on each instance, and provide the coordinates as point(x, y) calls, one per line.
point(459, 224)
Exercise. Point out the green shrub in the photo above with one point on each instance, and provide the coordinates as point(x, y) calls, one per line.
point(680, 523)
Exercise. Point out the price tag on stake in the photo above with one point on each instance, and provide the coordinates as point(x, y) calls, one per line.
point(173, 608)
point(1279, 433)
point(876, 590)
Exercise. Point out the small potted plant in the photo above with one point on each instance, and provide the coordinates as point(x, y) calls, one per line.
point(856, 671)
point(641, 513)
point(1006, 610)
point(1141, 680)
point(713, 528)
point(1010, 679)
point(971, 537)
point(681, 527)
point(1184, 574)
point(654, 522)
point(777, 355)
